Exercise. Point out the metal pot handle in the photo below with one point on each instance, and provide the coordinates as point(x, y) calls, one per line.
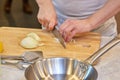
point(12, 57)
point(101, 51)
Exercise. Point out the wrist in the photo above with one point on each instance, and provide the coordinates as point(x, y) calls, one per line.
point(93, 23)
point(90, 24)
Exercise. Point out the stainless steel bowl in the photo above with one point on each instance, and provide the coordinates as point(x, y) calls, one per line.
point(58, 69)
point(66, 68)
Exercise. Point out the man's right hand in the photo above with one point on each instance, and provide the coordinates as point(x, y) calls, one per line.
point(46, 14)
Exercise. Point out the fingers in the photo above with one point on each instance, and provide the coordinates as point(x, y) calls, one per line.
point(52, 24)
point(49, 24)
point(68, 35)
point(67, 30)
point(68, 38)
point(48, 21)
point(44, 22)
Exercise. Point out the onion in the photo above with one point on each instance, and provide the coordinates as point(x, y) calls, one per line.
point(34, 36)
point(29, 42)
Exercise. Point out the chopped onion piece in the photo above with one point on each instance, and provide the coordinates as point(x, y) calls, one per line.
point(57, 40)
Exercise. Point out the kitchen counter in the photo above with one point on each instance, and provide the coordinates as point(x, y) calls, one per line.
point(108, 66)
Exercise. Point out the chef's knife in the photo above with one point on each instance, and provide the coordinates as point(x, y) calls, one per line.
point(59, 36)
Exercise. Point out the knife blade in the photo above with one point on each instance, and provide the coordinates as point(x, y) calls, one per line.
point(59, 36)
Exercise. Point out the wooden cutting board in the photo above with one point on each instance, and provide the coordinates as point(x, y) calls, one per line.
point(83, 46)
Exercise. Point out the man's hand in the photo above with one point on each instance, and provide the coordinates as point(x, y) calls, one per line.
point(71, 27)
point(47, 15)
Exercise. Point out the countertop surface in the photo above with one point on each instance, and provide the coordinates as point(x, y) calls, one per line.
point(108, 66)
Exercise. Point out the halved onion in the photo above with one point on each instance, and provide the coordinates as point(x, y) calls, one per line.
point(29, 42)
point(34, 36)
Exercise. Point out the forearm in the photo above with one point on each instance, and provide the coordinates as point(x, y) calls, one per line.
point(111, 8)
point(43, 2)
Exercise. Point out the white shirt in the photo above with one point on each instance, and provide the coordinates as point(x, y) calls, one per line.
point(77, 8)
point(81, 9)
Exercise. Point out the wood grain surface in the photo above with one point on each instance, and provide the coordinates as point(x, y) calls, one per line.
point(82, 47)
